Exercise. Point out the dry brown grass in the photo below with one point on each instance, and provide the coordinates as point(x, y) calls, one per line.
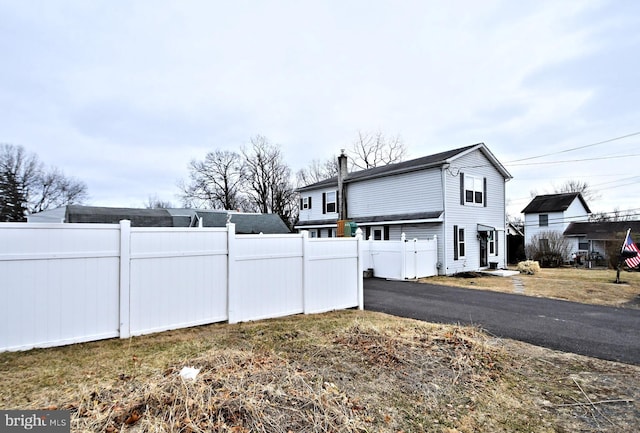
point(590, 286)
point(348, 371)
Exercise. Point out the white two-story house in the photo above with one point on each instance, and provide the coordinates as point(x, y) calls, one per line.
point(554, 212)
point(458, 195)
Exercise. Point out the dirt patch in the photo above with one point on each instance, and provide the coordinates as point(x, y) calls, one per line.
point(348, 371)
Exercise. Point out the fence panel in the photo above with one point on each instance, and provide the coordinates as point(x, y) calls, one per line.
point(426, 257)
point(332, 274)
point(178, 278)
point(59, 284)
point(67, 283)
point(385, 258)
point(401, 259)
point(266, 276)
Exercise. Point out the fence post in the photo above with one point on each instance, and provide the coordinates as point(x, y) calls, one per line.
point(403, 258)
point(360, 269)
point(125, 280)
point(306, 285)
point(231, 273)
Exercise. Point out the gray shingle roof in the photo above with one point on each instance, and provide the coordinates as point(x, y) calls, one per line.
point(113, 215)
point(246, 223)
point(376, 219)
point(554, 203)
point(603, 230)
point(405, 166)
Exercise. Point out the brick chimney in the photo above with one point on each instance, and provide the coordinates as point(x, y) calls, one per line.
point(342, 191)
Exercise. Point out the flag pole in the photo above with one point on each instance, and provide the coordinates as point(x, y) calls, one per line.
point(624, 242)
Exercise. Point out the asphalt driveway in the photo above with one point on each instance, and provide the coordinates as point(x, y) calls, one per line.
point(602, 332)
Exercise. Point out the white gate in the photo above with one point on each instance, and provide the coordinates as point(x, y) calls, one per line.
point(402, 260)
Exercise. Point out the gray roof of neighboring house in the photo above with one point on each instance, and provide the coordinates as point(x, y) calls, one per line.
point(113, 215)
point(554, 203)
point(246, 223)
point(411, 165)
point(602, 230)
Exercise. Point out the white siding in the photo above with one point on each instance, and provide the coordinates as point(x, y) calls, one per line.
point(468, 217)
point(418, 191)
point(557, 221)
point(315, 213)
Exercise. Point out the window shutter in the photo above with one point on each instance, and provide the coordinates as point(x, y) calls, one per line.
point(309, 202)
point(338, 202)
point(484, 193)
point(324, 202)
point(455, 242)
point(462, 189)
point(495, 239)
point(300, 203)
point(386, 233)
point(368, 232)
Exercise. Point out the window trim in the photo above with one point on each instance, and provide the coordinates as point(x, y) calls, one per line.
point(492, 242)
point(327, 202)
point(546, 220)
point(459, 243)
point(479, 188)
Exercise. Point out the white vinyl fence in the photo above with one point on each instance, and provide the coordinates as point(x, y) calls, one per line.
point(69, 283)
point(403, 259)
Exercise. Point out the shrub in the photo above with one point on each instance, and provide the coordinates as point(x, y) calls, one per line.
point(528, 267)
point(550, 248)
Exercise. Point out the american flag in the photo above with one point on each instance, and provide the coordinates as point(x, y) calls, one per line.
point(630, 246)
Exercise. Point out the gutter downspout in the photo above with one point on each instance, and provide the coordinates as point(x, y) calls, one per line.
point(444, 218)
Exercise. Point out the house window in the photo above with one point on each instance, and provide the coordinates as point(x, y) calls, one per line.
point(380, 233)
point(473, 190)
point(583, 246)
point(329, 199)
point(492, 241)
point(461, 243)
point(377, 234)
point(458, 243)
point(306, 203)
point(543, 220)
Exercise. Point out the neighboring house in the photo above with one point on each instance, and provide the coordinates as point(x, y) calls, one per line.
point(554, 212)
point(458, 195)
point(246, 223)
point(596, 239)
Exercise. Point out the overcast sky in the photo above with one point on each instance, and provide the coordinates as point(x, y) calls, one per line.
point(123, 94)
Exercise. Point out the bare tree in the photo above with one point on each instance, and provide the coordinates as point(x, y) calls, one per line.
point(317, 171)
point(549, 247)
point(582, 187)
point(27, 187)
point(268, 179)
point(216, 182)
point(155, 202)
point(375, 149)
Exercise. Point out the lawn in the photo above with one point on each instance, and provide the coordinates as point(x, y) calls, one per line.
point(590, 286)
point(347, 371)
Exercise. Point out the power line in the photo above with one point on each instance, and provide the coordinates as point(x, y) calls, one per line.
point(560, 220)
point(575, 160)
point(577, 148)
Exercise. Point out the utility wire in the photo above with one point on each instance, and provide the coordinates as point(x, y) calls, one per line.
point(574, 160)
point(576, 148)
